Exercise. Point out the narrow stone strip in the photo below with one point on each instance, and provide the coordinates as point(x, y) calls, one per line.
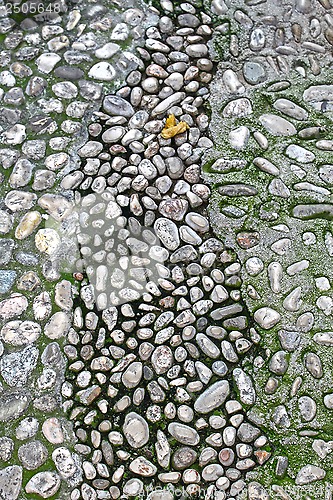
point(271, 182)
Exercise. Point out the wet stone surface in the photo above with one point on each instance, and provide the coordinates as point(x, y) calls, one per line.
point(165, 206)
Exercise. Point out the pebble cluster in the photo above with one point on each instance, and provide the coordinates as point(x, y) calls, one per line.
point(165, 203)
point(157, 392)
point(271, 173)
point(55, 67)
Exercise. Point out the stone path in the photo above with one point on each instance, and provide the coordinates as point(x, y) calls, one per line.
point(165, 205)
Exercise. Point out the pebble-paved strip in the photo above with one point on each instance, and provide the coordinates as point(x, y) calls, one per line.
point(53, 64)
point(155, 384)
point(155, 381)
point(271, 174)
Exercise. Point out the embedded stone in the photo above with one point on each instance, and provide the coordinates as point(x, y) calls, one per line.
point(32, 455)
point(309, 474)
point(276, 125)
point(10, 482)
point(13, 404)
point(45, 484)
point(213, 397)
point(58, 325)
point(136, 430)
point(267, 317)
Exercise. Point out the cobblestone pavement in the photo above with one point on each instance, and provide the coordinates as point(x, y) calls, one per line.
point(165, 221)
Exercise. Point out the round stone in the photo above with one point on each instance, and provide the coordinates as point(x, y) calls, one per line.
point(309, 474)
point(254, 266)
point(328, 401)
point(183, 458)
point(47, 241)
point(254, 72)
point(136, 430)
point(32, 455)
point(16, 367)
point(307, 407)
point(27, 428)
point(143, 467)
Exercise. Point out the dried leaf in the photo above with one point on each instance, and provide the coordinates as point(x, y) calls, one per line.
point(171, 129)
point(170, 121)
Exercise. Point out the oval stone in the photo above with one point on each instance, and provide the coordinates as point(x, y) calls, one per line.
point(184, 434)
point(136, 430)
point(213, 397)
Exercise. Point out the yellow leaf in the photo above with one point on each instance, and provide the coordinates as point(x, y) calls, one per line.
point(170, 121)
point(171, 129)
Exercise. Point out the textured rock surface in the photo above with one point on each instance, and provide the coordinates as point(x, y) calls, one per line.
point(165, 221)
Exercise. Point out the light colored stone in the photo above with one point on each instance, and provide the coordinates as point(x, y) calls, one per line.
point(276, 125)
point(19, 333)
point(45, 484)
point(167, 232)
point(58, 325)
point(16, 367)
point(238, 108)
point(184, 434)
point(42, 306)
point(213, 397)
point(102, 71)
point(136, 430)
point(143, 467)
point(10, 482)
point(299, 153)
point(267, 317)
point(28, 224)
point(27, 428)
point(12, 405)
point(52, 431)
point(247, 393)
point(309, 474)
point(13, 306)
point(64, 462)
point(162, 359)
point(47, 61)
point(132, 375)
